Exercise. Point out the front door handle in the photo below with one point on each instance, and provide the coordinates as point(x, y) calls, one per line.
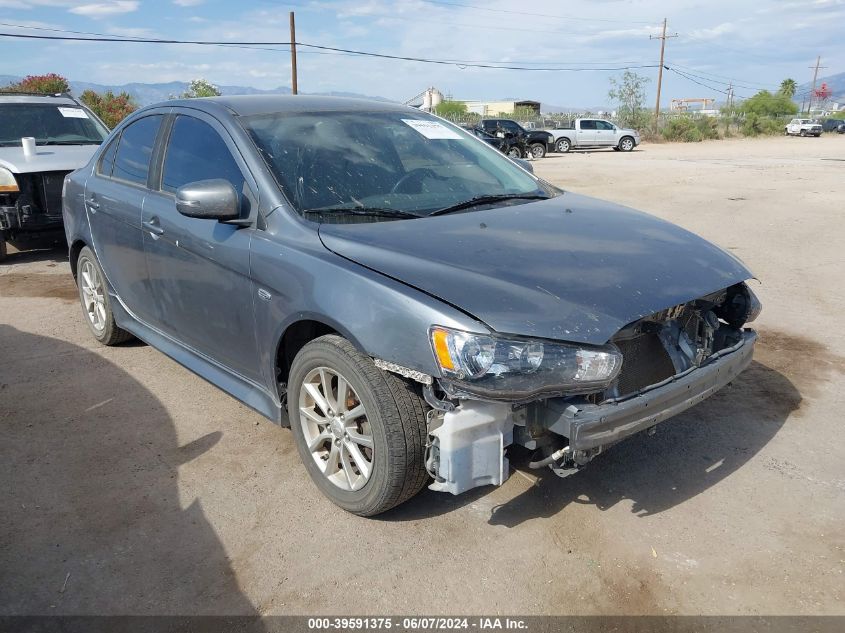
point(153, 226)
point(93, 204)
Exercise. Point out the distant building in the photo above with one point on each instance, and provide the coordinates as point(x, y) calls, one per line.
point(492, 108)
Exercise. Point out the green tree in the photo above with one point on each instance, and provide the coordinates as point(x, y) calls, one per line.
point(766, 104)
point(201, 88)
point(111, 108)
point(628, 93)
point(450, 108)
point(48, 84)
point(788, 87)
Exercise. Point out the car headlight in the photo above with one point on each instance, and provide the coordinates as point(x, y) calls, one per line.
point(509, 368)
point(7, 181)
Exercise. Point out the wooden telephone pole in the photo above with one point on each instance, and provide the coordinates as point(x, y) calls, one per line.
point(662, 39)
point(815, 70)
point(293, 82)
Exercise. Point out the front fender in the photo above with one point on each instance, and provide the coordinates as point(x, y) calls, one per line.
point(380, 316)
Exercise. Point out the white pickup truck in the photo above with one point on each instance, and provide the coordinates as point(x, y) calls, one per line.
point(803, 127)
point(588, 133)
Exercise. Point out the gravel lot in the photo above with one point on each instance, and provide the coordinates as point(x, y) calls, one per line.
point(129, 485)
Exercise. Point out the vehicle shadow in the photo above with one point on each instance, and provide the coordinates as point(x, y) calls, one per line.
point(36, 250)
point(685, 457)
point(93, 523)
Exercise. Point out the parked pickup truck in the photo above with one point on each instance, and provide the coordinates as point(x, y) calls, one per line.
point(803, 127)
point(538, 141)
point(589, 133)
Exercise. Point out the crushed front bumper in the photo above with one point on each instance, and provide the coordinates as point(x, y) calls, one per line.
point(591, 426)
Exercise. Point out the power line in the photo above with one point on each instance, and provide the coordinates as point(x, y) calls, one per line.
point(250, 45)
point(539, 15)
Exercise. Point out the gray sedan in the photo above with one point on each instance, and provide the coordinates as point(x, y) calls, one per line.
point(407, 299)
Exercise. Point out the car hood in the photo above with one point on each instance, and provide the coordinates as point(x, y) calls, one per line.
point(46, 158)
point(570, 268)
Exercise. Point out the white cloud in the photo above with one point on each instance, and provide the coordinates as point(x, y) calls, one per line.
point(101, 9)
point(188, 3)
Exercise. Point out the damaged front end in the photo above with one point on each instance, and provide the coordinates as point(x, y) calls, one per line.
point(570, 402)
point(30, 203)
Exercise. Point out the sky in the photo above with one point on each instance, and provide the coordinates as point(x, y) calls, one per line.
point(753, 44)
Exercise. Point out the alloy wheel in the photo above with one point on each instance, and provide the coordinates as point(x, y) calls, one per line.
point(627, 145)
point(93, 294)
point(336, 429)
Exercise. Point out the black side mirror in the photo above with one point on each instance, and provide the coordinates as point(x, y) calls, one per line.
point(214, 199)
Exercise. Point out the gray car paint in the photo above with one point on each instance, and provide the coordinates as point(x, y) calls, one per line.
point(572, 267)
point(385, 309)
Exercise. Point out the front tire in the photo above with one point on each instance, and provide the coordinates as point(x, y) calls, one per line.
point(360, 431)
point(626, 144)
point(563, 145)
point(3, 250)
point(96, 303)
point(538, 150)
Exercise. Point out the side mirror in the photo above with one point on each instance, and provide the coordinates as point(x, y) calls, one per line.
point(209, 200)
point(524, 164)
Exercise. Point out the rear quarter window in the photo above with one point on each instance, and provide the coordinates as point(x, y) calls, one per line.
point(132, 159)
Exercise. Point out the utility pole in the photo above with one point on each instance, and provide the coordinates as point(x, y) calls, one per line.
point(730, 96)
point(662, 39)
point(293, 82)
point(815, 70)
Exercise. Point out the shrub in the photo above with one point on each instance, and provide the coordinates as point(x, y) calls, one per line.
point(111, 108)
point(690, 130)
point(48, 84)
point(756, 125)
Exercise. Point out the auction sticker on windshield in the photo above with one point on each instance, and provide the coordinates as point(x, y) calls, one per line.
point(73, 113)
point(432, 129)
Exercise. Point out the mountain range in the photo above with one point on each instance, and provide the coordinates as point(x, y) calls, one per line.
point(145, 94)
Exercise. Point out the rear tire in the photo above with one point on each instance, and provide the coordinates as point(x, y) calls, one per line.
point(563, 145)
point(538, 150)
point(803, 133)
point(514, 152)
point(95, 300)
point(364, 449)
point(3, 250)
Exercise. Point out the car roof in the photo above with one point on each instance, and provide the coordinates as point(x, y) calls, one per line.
point(29, 98)
point(248, 105)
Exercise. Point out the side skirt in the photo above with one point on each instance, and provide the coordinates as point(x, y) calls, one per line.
point(250, 393)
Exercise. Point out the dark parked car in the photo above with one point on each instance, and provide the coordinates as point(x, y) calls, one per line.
point(834, 125)
point(407, 299)
point(65, 134)
point(538, 141)
point(508, 144)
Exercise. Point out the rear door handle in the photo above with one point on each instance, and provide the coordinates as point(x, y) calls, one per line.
point(152, 226)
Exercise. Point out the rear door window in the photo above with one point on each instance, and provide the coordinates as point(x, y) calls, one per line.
point(132, 160)
point(588, 125)
point(197, 152)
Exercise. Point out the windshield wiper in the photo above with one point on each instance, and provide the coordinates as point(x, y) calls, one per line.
point(377, 212)
point(479, 200)
point(86, 141)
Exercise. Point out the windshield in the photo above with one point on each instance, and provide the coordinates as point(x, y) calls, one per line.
point(48, 124)
point(402, 164)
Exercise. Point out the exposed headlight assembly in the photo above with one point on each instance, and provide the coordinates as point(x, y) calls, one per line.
point(7, 181)
point(501, 368)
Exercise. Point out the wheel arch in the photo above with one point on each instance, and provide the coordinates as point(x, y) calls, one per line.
point(73, 254)
point(296, 335)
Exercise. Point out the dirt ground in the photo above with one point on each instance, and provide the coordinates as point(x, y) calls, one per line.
point(129, 485)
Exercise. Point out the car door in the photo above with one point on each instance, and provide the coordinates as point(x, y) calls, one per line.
point(586, 133)
point(199, 268)
point(114, 197)
point(605, 134)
